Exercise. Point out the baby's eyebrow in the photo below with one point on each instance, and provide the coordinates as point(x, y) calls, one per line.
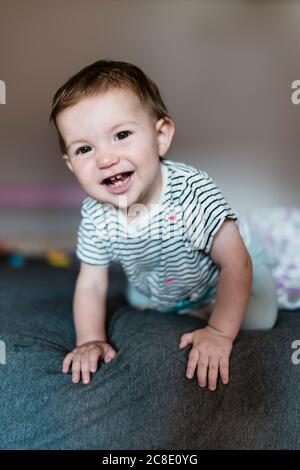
point(109, 130)
point(121, 124)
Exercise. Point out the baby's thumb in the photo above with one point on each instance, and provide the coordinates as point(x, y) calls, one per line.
point(185, 340)
point(111, 353)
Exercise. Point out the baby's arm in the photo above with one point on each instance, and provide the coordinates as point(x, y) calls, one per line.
point(89, 311)
point(235, 280)
point(212, 345)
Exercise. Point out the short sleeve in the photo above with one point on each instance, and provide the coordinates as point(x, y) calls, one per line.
point(204, 210)
point(92, 242)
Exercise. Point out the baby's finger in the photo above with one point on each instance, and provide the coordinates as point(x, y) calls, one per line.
point(94, 355)
point(67, 362)
point(224, 369)
point(202, 370)
point(76, 370)
point(192, 363)
point(85, 368)
point(213, 369)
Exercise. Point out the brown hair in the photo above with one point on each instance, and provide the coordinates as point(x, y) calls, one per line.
point(101, 76)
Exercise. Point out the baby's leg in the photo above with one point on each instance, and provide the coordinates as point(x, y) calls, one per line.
point(262, 309)
point(137, 299)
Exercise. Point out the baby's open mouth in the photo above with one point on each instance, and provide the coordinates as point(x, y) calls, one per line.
point(117, 180)
point(120, 183)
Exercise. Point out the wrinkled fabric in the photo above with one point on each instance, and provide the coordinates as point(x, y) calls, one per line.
point(142, 399)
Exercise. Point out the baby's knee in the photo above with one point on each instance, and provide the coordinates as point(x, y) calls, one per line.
point(265, 321)
point(258, 319)
point(262, 310)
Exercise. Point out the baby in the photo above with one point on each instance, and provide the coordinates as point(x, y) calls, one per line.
point(165, 222)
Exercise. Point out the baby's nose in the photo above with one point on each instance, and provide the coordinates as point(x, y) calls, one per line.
point(105, 160)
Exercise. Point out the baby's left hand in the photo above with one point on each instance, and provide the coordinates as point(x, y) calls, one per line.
point(210, 352)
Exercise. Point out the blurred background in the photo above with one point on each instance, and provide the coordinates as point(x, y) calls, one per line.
point(224, 69)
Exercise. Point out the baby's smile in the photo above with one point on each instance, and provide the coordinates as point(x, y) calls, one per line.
point(120, 183)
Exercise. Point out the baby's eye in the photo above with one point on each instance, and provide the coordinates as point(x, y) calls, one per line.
point(82, 150)
point(123, 133)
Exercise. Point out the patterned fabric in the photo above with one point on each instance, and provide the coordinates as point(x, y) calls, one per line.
point(279, 230)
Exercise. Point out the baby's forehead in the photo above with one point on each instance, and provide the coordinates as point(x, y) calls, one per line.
point(117, 95)
point(122, 100)
point(105, 109)
point(116, 104)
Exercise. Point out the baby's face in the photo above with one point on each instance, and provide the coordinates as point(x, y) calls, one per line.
point(111, 134)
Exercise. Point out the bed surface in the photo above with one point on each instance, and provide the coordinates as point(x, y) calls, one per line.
point(141, 400)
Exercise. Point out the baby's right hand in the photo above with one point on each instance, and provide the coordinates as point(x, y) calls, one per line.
point(85, 359)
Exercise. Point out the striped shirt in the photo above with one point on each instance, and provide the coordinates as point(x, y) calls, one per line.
point(165, 251)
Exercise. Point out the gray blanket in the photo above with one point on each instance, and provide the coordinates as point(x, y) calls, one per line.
point(142, 399)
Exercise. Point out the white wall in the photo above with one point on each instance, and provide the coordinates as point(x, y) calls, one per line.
point(224, 69)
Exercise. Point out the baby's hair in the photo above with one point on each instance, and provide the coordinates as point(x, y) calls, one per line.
point(102, 76)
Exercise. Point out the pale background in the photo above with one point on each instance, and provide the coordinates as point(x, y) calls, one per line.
point(224, 69)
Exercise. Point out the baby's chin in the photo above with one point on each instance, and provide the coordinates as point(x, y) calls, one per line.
point(122, 201)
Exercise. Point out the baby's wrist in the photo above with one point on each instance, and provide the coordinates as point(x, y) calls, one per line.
point(81, 341)
point(217, 332)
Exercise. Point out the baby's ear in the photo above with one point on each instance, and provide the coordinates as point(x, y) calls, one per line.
point(67, 162)
point(165, 131)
